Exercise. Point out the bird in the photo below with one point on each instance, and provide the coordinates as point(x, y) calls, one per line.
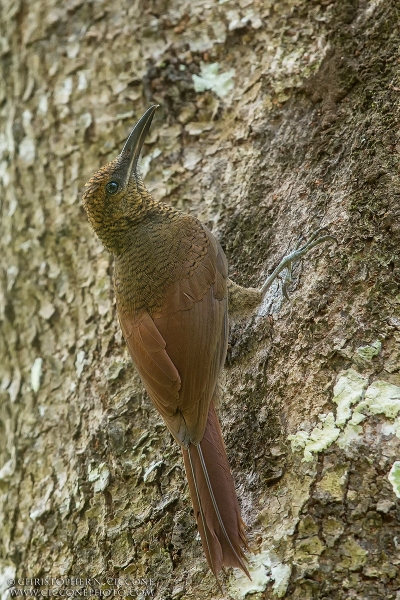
point(172, 287)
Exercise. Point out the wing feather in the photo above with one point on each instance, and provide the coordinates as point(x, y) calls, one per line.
point(180, 349)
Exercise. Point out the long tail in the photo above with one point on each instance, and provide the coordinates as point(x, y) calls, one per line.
point(214, 500)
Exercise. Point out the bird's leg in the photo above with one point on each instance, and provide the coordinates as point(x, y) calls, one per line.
point(243, 300)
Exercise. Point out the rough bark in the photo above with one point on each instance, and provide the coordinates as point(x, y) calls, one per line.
point(91, 483)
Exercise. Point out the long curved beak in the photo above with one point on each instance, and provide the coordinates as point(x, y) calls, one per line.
point(135, 141)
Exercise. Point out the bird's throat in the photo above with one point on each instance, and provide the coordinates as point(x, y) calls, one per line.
point(149, 261)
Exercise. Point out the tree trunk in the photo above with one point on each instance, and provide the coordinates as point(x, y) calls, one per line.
point(302, 134)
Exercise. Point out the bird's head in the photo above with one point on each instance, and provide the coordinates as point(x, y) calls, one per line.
point(113, 199)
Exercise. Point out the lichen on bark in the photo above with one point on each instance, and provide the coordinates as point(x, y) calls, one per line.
point(90, 481)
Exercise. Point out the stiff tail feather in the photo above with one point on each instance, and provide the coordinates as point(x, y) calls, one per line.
point(214, 500)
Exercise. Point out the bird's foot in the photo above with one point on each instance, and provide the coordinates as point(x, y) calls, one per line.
point(288, 261)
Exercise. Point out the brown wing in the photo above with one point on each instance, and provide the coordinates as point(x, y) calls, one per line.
point(180, 350)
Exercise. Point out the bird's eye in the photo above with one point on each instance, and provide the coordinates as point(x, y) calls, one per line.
point(112, 187)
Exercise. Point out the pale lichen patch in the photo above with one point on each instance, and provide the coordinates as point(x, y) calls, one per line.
point(392, 428)
point(351, 434)
point(383, 398)
point(320, 438)
point(63, 91)
point(394, 477)
point(280, 574)
point(367, 353)
point(351, 389)
point(260, 576)
point(100, 475)
point(80, 362)
point(263, 567)
point(36, 374)
point(27, 151)
point(8, 469)
point(348, 390)
point(47, 310)
point(210, 79)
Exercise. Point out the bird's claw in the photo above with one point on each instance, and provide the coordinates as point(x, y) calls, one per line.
point(312, 241)
point(288, 261)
